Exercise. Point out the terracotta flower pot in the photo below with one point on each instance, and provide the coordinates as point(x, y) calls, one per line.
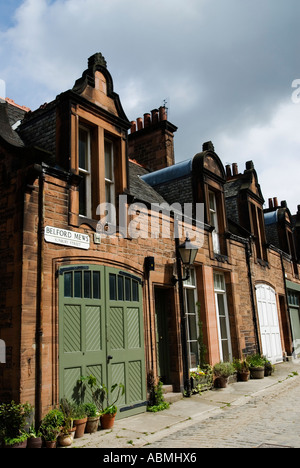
point(244, 376)
point(34, 442)
point(107, 421)
point(65, 440)
point(50, 443)
point(92, 425)
point(79, 425)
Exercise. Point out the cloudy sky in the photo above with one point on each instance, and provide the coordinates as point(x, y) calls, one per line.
point(225, 67)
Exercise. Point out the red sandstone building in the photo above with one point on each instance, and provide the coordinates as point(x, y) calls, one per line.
point(76, 300)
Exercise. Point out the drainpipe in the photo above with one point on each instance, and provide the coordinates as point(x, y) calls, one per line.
point(248, 256)
point(286, 298)
point(183, 317)
point(39, 299)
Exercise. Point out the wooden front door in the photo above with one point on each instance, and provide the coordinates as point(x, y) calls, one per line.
point(269, 323)
point(101, 333)
point(162, 301)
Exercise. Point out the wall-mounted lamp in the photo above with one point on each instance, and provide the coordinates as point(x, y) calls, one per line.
point(187, 253)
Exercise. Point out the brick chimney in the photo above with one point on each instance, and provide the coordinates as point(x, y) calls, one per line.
point(151, 141)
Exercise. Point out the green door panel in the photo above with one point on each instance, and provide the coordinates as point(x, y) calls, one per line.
point(101, 333)
point(125, 340)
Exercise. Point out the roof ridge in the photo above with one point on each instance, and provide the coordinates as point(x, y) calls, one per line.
point(13, 103)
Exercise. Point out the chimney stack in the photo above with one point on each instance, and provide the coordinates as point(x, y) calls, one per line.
point(275, 201)
point(271, 206)
point(150, 141)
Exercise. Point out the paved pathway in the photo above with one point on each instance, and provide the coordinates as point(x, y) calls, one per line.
point(246, 414)
point(271, 418)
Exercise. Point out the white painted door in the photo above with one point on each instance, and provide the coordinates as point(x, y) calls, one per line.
point(269, 323)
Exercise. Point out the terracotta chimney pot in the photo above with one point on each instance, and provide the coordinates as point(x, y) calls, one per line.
point(154, 116)
point(139, 123)
point(147, 120)
point(162, 113)
point(133, 126)
point(228, 171)
point(235, 169)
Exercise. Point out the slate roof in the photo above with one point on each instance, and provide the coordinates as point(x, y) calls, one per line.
point(9, 115)
point(139, 189)
point(232, 187)
point(7, 118)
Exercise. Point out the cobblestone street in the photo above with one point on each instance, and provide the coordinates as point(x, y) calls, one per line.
point(268, 419)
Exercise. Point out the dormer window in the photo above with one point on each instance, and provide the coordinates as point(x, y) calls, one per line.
point(258, 229)
point(84, 167)
point(92, 144)
point(208, 187)
point(214, 222)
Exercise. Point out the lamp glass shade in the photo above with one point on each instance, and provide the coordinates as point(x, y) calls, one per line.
point(188, 252)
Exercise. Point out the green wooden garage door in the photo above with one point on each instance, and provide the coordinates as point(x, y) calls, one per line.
point(101, 333)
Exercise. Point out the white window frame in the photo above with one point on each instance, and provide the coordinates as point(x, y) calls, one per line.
point(110, 182)
point(220, 290)
point(86, 173)
point(214, 222)
point(190, 284)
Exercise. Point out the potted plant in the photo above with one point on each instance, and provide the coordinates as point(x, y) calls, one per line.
point(93, 417)
point(51, 426)
point(49, 435)
point(257, 366)
point(65, 438)
point(269, 368)
point(222, 371)
point(80, 419)
point(201, 378)
point(242, 368)
point(34, 438)
point(16, 442)
point(68, 410)
point(100, 395)
point(13, 420)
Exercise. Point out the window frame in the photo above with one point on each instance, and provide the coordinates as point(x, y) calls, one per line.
point(109, 181)
point(191, 285)
point(222, 292)
point(85, 173)
point(214, 221)
point(258, 230)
